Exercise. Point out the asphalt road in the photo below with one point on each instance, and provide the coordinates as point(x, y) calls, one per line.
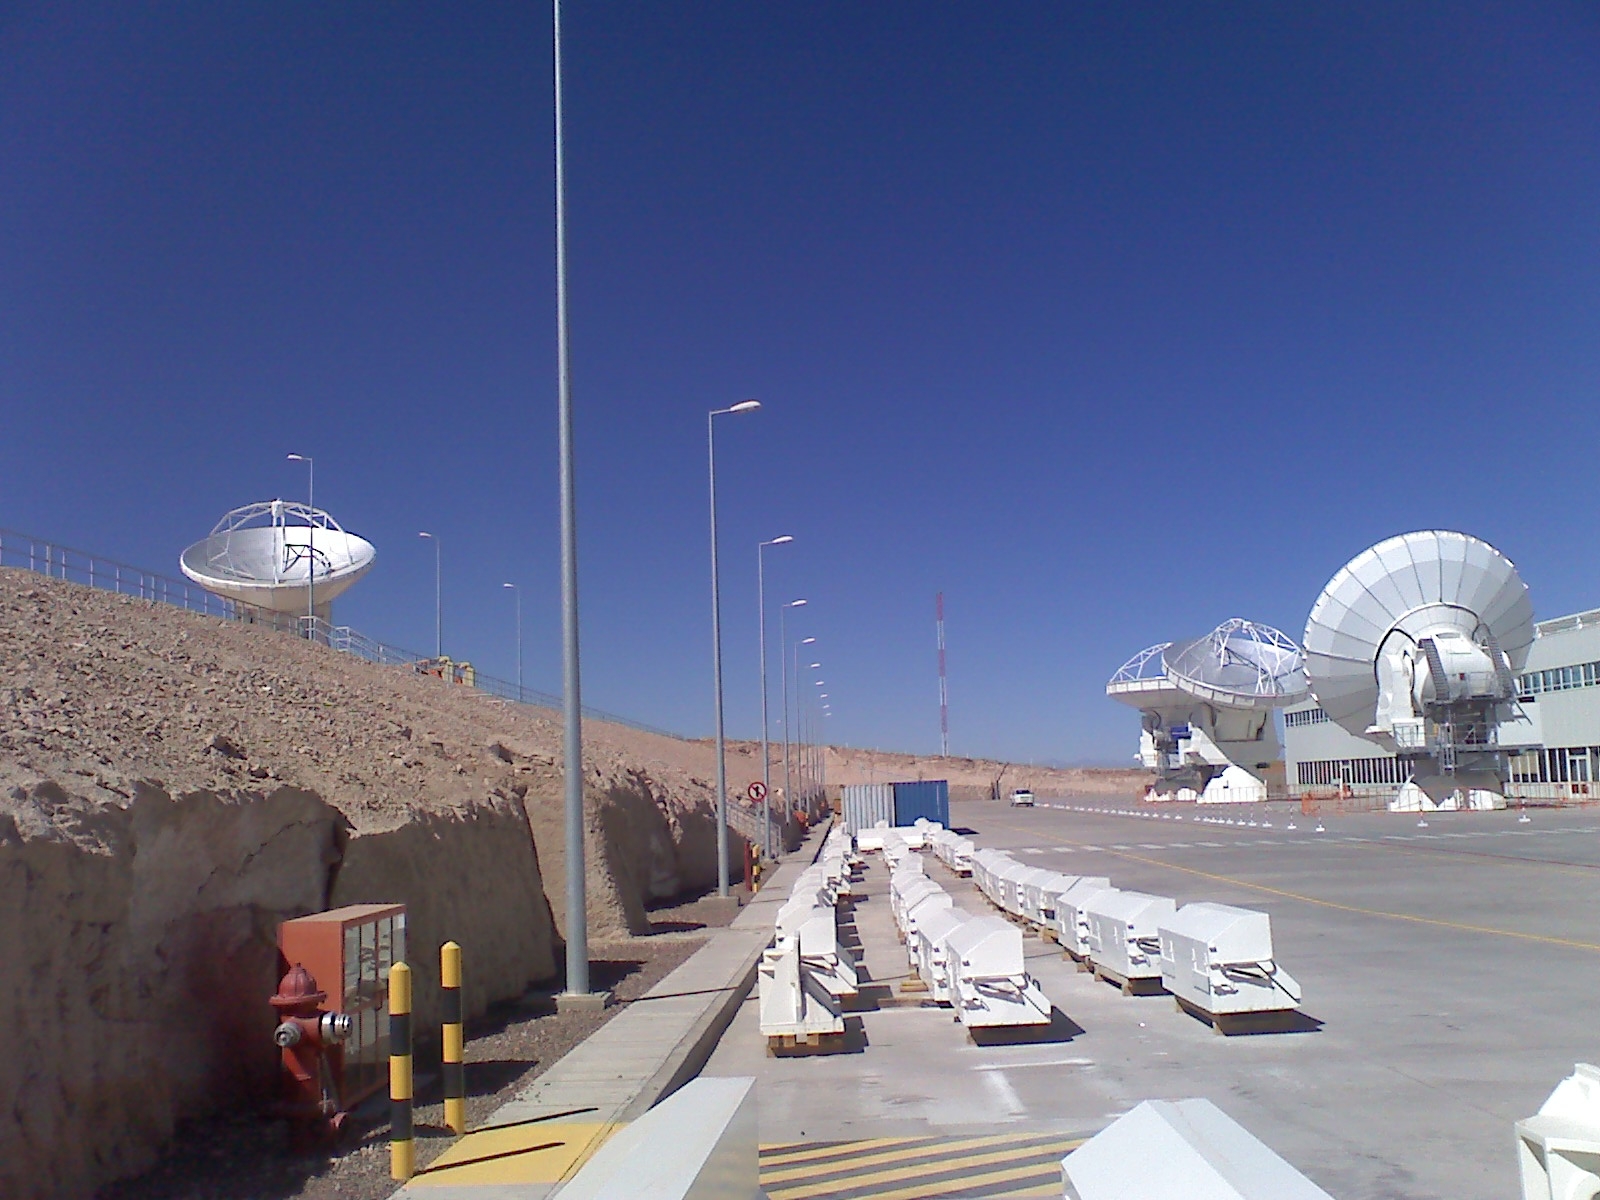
point(1454, 969)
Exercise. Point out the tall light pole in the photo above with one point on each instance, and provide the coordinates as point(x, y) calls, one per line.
point(810, 746)
point(311, 542)
point(716, 642)
point(783, 667)
point(516, 592)
point(766, 772)
point(438, 597)
point(571, 696)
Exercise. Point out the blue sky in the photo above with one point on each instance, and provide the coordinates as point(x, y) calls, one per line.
point(1109, 321)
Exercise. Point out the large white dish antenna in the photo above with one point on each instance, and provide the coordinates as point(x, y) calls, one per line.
point(1399, 592)
point(267, 555)
point(1239, 664)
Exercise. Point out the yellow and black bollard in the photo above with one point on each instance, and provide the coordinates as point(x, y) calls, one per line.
point(402, 1147)
point(454, 1074)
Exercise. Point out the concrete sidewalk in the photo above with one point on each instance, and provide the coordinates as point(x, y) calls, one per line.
point(644, 1053)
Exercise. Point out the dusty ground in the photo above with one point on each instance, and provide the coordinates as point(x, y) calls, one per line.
point(247, 1156)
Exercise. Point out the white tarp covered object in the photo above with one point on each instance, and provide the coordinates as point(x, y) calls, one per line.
point(1219, 959)
point(933, 952)
point(990, 984)
point(1124, 933)
point(1072, 916)
point(793, 1002)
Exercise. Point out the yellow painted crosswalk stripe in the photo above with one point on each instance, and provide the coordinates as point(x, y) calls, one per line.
point(920, 1150)
point(908, 1168)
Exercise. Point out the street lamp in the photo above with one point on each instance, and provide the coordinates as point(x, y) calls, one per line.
point(516, 592)
point(438, 598)
point(716, 642)
point(311, 542)
point(783, 659)
point(577, 992)
point(766, 773)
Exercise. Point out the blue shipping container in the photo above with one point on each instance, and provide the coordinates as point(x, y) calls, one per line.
point(928, 798)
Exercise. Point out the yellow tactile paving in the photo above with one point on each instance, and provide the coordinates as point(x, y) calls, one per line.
point(995, 1165)
point(531, 1152)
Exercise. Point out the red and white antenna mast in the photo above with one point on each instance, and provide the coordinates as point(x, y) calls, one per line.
point(944, 693)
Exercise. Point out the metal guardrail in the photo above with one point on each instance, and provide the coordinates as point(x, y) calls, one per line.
point(107, 574)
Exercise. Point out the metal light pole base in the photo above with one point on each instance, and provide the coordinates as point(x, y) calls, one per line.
point(583, 1002)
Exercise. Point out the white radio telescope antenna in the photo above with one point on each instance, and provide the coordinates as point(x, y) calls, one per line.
point(1416, 643)
point(1206, 704)
point(265, 555)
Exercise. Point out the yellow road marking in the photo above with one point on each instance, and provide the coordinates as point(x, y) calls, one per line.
point(1001, 1147)
point(784, 1153)
point(516, 1154)
point(1437, 922)
point(950, 1187)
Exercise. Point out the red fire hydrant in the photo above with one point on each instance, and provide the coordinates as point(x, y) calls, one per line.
point(306, 1034)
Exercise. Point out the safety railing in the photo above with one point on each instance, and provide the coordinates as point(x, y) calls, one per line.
point(107, 574)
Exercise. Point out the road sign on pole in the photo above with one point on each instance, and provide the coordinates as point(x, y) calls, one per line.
point(757, 791)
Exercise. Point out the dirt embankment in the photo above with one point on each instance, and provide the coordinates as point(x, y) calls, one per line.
point(171, 787)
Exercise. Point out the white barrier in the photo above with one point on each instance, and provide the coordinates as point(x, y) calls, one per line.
point(990, 984)
point(1180, 1150)
point(1558, 1150)
point(700, 1143)
point(1218, 959)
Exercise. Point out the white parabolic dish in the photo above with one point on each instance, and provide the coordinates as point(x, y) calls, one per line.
point(262, 555)
point(1409, 587)
point(1239, 664)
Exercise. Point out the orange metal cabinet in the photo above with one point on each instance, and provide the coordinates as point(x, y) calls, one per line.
point(350, 951)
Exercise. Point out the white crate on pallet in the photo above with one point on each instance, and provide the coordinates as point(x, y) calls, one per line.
point(1124, 933)
point(990, 984)
point(1008, 886)
point(1030, 893)
point(984, 864)
point(1219, 959)
point(834, 965)
point(1072, 928)
point(910, 888)
point(792, 1001)
point(918, 910)
point(933, 953)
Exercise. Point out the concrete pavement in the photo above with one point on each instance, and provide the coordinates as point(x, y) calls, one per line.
point(1452, 967)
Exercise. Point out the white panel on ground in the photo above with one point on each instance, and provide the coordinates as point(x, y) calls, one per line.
point(1180, 1150)
point(700, 1143)
point(1558, 1151)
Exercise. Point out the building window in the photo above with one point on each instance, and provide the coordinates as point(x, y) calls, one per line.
point(1310, 716)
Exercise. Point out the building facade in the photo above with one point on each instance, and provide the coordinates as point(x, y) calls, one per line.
point(1559, 690)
